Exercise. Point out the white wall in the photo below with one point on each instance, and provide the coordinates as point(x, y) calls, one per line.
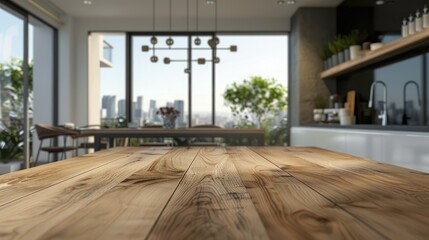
point(406, 149)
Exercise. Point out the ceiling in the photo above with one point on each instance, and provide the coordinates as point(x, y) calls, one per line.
point(227, 9)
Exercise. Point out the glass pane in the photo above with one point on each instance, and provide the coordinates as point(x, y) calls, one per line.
point(11, 83)
point(201, 82)
point(41, 57)
point(158, 84)
point(395, 81)
point(112, 80)
point(261, 55)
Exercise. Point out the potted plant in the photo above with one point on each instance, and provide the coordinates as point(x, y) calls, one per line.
point(340, 46)
point(326, 55)
point(354, 40)
point(11, 149)
point(334, 51)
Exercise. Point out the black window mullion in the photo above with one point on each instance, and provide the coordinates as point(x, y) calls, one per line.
point(128, 77)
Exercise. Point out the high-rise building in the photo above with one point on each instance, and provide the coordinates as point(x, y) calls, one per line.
point(179, 105)
point(139, 107)
point(121, 108)
point(109, 103)
point(152, 104)
point(138, 111)
point(152, 116)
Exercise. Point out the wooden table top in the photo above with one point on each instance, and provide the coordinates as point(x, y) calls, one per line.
point(215, 193)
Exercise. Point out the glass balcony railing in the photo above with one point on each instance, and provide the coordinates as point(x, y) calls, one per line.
point(107, 51)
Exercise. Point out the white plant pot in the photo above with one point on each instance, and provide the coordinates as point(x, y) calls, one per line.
point(355, 52)
point(10, 167)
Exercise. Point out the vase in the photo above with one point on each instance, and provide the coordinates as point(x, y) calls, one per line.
point(346, 55)
point(340, 57)
point(169, 122)
point(355, 52)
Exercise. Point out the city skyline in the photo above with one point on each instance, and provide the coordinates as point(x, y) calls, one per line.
point(115, 109)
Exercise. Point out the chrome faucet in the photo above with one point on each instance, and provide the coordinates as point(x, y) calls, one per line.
point(404, 115)
point(383, 112)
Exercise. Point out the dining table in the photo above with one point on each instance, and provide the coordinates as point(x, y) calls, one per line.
point(248, 136)
point(242, 192)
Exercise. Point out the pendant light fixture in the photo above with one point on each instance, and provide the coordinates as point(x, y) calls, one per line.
point(213, 42)
point(153, 39)
point(197, 40)
point(169, 40)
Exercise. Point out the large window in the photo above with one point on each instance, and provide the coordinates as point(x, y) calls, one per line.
point(197, 94)
point(157, 84)
point(27, 79)
point(257, 55)
point(111, 78)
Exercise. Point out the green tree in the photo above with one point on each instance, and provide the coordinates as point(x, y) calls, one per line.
point(11, 107)
point(11, 88)
point(257, 97)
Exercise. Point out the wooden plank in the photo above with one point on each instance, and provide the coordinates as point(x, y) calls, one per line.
point(129, 210)
point(289, 208)
point(210, 203)
point(33, 215)
point(23, 183)
point(391, 202)
point(392, 49)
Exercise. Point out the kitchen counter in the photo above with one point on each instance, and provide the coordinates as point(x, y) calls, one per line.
point(215, 193)
point(408, 128)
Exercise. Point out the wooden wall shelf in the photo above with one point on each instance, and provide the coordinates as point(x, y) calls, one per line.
point(389, 50)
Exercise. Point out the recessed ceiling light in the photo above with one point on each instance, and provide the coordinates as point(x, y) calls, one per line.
point(210, 1)
point(291, 2)
point(281, 2)
point(87, 2)
point(379, 2)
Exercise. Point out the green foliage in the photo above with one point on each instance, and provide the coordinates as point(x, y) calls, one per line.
point(333, 48)
point(11, 87)
point(10, 144)
point(355, 37)
point(12, 111)
point(257, 97)
point(325, 53)
point(342, 42)
point(277, 134)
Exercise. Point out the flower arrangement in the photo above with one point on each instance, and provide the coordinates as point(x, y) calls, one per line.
point(169, 115)
point(167, 111)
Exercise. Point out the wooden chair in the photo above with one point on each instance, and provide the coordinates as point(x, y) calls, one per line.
point(51, 133)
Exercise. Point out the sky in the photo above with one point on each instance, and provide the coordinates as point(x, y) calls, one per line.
point(264, 56)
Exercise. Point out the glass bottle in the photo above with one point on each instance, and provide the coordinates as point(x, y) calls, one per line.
point(404, 28)
point(418, 22)
point(411, 25)
point(425, 17)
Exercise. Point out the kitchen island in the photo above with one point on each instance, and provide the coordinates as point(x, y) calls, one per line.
point(215, 193)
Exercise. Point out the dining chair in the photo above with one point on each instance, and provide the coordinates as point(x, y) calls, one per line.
point(52, 133)
point(83, 140)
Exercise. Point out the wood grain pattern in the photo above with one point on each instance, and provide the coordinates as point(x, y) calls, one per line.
point(289, 208)
point(129, 210)
point(22, 183)
point(391, 202)
point(210, 203)
point(392, 49)
point(215, 193)
point(33, 215)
